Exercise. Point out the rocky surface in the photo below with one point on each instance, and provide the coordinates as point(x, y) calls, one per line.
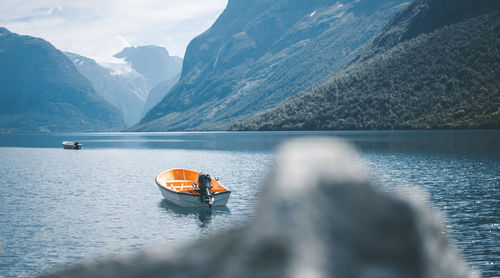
point(319, 216)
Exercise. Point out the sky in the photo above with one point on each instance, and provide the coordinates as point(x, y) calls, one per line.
point(100, 28)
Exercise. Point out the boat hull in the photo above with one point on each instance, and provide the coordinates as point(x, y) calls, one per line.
point(176, 186)
point(190, 200)
point(71, 146)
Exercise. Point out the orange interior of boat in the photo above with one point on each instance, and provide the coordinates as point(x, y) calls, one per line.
point(181, 180)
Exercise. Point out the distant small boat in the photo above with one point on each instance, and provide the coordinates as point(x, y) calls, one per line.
point(71, 145)
point(187, 188)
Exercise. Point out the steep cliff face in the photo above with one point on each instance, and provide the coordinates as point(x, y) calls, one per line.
point(261, 52)
point(434, 66)
point(41, 90)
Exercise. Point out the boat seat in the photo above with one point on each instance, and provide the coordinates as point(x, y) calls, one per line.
point(186, 186)
point(177, 185)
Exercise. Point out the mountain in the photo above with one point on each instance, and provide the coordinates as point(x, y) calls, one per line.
point(113, 87)
point(152, 62)
point(127, 86)
point(159, 70)
point(159, 92)
point(436, 65)
point(259, 53)
point(424, 17)
point(42, 91)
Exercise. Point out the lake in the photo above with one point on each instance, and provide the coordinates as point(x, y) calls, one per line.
point(59, 207)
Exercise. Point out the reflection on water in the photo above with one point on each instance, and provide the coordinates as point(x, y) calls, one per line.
point(204, 214)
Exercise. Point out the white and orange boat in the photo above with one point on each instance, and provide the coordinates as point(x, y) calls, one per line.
point(187, 188)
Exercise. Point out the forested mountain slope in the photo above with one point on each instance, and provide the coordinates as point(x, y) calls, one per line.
point(443, 74)
point(259, 53)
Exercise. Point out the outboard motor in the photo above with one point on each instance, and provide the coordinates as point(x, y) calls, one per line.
point(204, 185)
point(77, 145)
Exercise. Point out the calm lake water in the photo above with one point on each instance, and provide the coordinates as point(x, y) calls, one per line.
point(59, 207)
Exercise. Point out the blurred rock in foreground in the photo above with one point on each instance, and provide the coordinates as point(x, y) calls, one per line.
point(319, 216)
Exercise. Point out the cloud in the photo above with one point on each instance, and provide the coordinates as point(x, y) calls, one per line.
point(50, 11)
point(99, 29)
